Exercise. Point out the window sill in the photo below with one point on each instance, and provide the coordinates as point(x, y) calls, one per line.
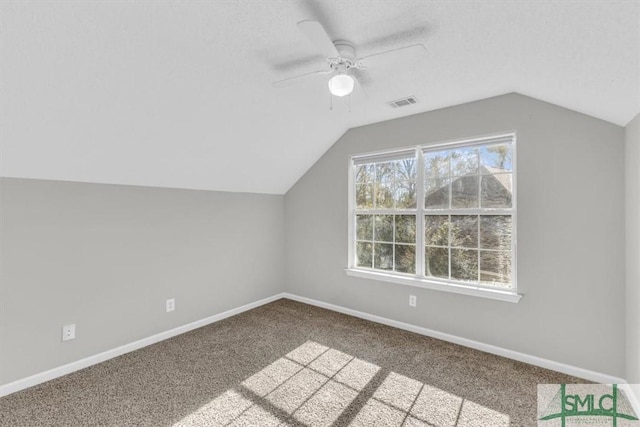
point(496, 294)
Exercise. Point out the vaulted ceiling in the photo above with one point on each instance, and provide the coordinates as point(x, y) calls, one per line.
point(179, 94)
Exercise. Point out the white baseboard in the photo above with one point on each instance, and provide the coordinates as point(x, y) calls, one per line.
point(522, 357)
point(27, 382)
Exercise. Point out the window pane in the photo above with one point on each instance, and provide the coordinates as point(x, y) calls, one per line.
point(383, 228)
point(364, 196)
point(364, 174)
point(436, 230)
point(384, 195)
point(464, 192)
point(436, 194)
point(464, 264)
point(496, 190)
point(383, 256)
point(406, 258)
point(495, 267)
point(496, 158)
point(437, 262)
point(464, 231)
point(364, 254)
point(406, 170)
point(436, 176)
point(495, 232)
point(385, 172)
point(436, 164)
point(405, 195)
point(464, 161)
point(364, 227)
point(406, 228)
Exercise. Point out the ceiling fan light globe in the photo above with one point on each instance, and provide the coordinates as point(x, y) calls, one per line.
point(341, 85)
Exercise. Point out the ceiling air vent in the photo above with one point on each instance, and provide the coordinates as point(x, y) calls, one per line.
point(410, 100)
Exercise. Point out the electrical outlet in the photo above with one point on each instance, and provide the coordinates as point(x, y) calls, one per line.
point(68, 332)
point(171, 304)
point(413, 300)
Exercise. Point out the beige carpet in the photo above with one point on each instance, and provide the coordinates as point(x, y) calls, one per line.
point(290, 364)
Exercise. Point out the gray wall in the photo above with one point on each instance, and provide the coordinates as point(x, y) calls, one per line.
point(570, 234)
point(632, 197)
point(107, 257)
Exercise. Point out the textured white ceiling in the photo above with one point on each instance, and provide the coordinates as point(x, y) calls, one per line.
point(178, 93)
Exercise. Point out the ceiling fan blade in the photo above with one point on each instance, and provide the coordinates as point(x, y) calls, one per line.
point(319, 37)
point(360, 91)
point(361, 76)
point(299, 79)
point(393, 57)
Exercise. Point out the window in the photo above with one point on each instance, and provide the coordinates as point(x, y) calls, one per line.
point(439, 216)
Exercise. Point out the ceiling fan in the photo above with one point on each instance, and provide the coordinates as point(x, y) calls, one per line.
point(342, 60)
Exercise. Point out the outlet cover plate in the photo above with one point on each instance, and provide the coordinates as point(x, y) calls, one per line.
point(413, 300)
point(69, 332)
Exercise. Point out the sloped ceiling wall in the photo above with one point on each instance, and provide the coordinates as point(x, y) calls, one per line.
point(178, 93)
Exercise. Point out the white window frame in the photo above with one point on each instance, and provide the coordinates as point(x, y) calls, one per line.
point(417, 280)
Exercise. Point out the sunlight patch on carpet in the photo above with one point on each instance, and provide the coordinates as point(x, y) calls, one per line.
point(315, 384)
point(268, 379)
point(221, 411)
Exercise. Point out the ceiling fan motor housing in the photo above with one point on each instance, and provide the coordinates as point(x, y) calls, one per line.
point(345, 49)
